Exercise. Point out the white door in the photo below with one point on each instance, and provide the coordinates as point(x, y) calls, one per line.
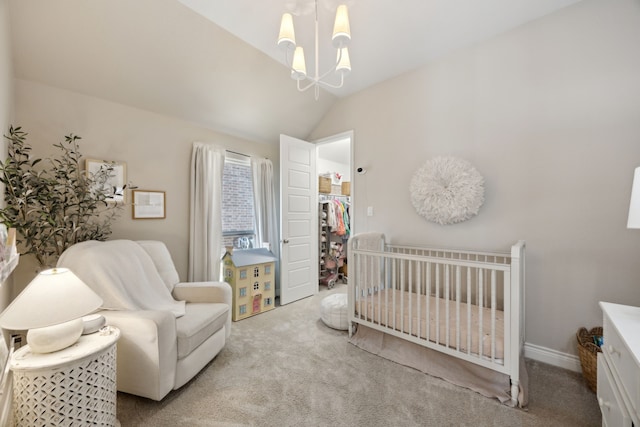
point(298, 220)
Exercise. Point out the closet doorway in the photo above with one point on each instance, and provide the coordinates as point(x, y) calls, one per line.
point(299, 208)
point(334, 159)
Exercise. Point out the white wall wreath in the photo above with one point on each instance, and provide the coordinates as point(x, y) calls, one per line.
point(447, 190)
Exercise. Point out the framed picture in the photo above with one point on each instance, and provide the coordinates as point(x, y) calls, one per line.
point(114, 188)
point(148, 204)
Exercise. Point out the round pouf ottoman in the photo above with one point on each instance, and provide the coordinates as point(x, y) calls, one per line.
point(333, 311)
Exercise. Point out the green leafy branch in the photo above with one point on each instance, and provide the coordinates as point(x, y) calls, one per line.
point(54, 204)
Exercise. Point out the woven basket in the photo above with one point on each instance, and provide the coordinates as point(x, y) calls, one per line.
point(588, 352)
point(346, 188)
point(324, 185)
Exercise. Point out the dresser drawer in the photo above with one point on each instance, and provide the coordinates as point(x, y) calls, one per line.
point(622, 363)
point(611, 405)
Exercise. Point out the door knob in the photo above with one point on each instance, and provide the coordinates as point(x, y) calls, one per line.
point(285, 241)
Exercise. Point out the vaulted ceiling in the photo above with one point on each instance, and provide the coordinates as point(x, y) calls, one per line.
point(216, 63)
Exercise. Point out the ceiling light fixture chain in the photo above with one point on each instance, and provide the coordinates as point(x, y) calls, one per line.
point(340, 40)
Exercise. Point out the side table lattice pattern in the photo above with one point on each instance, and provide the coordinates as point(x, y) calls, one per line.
point(79, 393)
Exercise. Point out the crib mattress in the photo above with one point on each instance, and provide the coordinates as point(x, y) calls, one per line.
point(379, 308)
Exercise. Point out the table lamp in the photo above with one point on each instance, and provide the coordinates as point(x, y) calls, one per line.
point(634, 205)
point(51, 308)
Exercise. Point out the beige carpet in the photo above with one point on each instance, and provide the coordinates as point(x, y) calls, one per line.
point(286, 368)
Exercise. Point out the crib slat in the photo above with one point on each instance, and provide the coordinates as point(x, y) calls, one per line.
point(410, 292)
point(428, 293)
point(437, 303)
point(404, 287)
point(480, 311)
point(493, 315)
point(458, 297)
point(419, 296)
point(393, 295)
point(469, 272)
point(447, 299)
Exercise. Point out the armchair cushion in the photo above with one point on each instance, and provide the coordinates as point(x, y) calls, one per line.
point(199, 323)
point(162, 260)
point(206, 292)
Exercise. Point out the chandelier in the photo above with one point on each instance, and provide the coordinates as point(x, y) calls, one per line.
point(340, 40)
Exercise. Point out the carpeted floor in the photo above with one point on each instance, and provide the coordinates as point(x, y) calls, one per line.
point(286, 368)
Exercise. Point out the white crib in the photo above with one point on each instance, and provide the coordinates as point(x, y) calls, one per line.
point(468, 305)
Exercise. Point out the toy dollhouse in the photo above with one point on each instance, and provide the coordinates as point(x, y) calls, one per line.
point(251, 274)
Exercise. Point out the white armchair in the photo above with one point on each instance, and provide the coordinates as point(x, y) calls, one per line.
point(169, 330)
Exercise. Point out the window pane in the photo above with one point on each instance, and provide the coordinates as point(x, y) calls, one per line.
point(237, 205)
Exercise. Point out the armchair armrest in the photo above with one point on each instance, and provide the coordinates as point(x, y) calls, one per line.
point(206, 292)
point(146, 351)
point(219, 292)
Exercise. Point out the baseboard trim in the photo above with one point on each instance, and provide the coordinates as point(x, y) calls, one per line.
point(552, 357)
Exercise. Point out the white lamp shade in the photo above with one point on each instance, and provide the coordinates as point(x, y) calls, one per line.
point(341, 30)
point(344, 64)
point(634, 206)
point(287, 35)
point(54, 296)
point(299, 68)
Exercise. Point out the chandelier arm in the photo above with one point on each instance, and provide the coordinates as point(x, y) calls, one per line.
point(319, 79)
point(332, 86)
point(312, 83)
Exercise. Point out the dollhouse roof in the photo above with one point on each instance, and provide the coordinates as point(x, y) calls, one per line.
point(246, 257)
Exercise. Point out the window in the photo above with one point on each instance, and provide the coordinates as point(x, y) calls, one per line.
point(256, 272)
point(256, 286)
point(243, 309)
point(228, 273)
point(243, 274)
point(237, 202)
point(267, 269)
point(243, 292)
point(267, 301)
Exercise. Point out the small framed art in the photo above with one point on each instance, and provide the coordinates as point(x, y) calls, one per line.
point(114, 187)
point(148, 204)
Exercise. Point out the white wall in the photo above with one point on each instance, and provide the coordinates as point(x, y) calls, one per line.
point(324, 166)
point(550, 115)
point(6, 107)
point(156, 149)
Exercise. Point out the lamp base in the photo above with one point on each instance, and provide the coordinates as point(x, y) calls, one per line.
point(56, 337)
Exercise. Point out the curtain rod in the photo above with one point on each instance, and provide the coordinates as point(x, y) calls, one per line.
point(239, 154)
point(242, 154)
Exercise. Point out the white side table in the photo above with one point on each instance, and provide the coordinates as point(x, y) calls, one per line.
point(73, 386)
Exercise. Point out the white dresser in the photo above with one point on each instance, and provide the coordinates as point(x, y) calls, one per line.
point(619, 366)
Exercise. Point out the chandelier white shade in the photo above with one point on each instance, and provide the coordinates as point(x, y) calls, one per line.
point(287, 37)
point(52, 299)
point(298, 66)
point(633, 220)
point(341, 30)
point(340, 40)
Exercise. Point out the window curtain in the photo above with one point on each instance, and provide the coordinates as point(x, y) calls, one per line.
point(205, 225)
point(264, 202)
